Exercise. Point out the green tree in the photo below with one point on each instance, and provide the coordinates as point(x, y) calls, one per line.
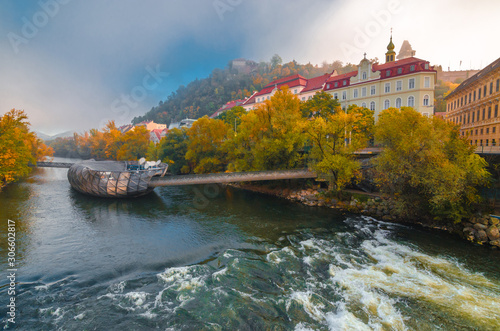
point(321, 104)
point(172, 149)
point(335, 137)
point(232, 117)
point(427, 166)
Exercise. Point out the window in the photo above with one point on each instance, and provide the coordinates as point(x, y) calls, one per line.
point(474, 95)
point(303, 98)
point(344, 83)
point(484, 91)
point(491, 88)
point(372, 90)
point(496, 110)
point(486, 142)
point(387, 103)
point(400, 71)
point(476, 132)
point(493, 129)
point(327, 86)
point(309, 98)
point(344, 95)
point(364, 75)
point(481, 131)
point(336, 84)
point(426, 114)
point(478, 115)
point(363, 105)
point(487, 130)
point(268, 97)
point(493, 143)
point(399, 85)
point(427, 82)
point(498, 85)
point(489, 112)
point(363, 92)
point(387, 72)
point(295, 91)
point(470, 98)
point(427, 66)
point(484, 113)
point(387, 87)
point(479, 94)
point(372, 105)
point(411, 101)
point(398, 103)
point(336, 96)
point(355, 93)
point(426, 100)
point(480, 142)
point(411, 83)
point(473, 117)
point(412, 67)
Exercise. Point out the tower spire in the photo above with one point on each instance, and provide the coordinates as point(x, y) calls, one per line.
point(390, 55)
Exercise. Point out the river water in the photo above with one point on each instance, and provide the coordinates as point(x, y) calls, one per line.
point(213, 258)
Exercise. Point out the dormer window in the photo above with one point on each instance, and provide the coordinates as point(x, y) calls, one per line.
point(400, 71)
point(328, 86)
point(364, 75)
point(345, 83)
point(387, 72)
point(336, 84)
point(427, 66)
point(412, 67)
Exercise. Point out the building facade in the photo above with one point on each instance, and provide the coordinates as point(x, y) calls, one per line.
point(474, 106)
point(404, 83)
point(408, 82)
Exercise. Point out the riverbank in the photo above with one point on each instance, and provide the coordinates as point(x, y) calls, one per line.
point(480, 229)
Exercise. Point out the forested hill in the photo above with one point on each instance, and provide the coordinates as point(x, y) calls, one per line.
point(237, 81)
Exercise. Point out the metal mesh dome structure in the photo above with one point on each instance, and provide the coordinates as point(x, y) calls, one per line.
point(113, 179)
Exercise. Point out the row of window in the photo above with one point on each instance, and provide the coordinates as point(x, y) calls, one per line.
point(471, 97)
point(473, 116)
point(387, 88)
point(493, 142)
point(480, 131)
point(389, 72)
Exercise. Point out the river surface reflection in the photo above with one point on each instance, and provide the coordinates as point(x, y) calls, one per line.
point(215, 258)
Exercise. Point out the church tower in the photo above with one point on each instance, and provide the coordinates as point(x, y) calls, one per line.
point(390, 56)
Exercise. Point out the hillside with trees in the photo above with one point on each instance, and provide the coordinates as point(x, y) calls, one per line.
point(204, 96)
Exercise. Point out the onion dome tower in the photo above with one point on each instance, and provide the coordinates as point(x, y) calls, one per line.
point(390, 56)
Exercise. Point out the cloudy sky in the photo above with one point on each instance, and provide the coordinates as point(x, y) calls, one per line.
point(74, 64)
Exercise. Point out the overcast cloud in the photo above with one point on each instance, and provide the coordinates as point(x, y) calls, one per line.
point(88, 61)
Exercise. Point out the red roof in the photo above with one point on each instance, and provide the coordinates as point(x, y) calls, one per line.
point(330, 83)
point(249, 100)
point(316, 83)
point(231, 104)
point(290, 81)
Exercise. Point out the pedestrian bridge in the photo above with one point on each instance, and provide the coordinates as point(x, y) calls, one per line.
point(216, 178)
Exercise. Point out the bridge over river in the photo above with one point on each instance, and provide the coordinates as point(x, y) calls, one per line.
point(226, 177)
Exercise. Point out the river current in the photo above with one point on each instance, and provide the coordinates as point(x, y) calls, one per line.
point(216, 258)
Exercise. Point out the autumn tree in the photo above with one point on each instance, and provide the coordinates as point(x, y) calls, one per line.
point(205, 151)
point(232, 117)
point(18, 147)
point(270, 137)
point(335, 137)
point(427, 166)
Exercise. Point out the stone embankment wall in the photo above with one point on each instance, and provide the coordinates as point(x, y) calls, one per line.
point(484, 230)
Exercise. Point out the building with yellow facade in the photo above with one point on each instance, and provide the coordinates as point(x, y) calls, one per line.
point(474, 106)
point(405, 83)
point(395, 83)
